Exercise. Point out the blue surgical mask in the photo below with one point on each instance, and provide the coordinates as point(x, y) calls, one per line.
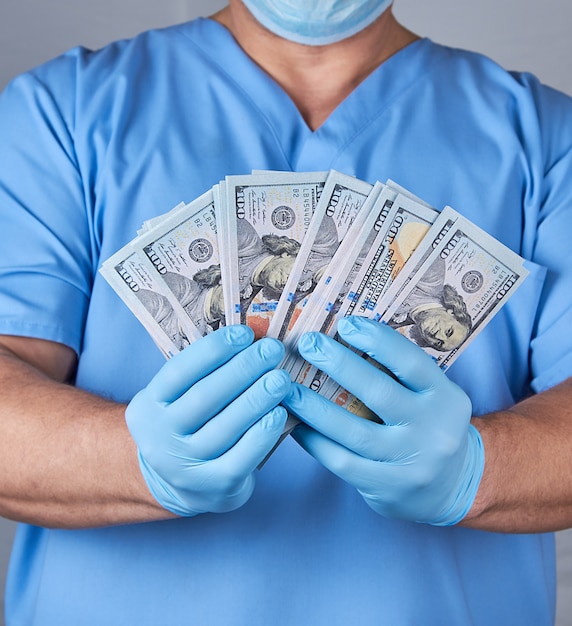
point(316, 22)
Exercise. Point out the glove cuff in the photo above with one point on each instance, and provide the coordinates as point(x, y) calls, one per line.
point(159, 489)
point(470, 481)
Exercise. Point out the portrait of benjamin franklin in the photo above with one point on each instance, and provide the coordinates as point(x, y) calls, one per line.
point(435, 313)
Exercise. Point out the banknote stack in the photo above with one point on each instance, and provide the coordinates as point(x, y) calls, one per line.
point(287, 252)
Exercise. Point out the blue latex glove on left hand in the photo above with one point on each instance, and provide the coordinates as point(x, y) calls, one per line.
point(425, 462)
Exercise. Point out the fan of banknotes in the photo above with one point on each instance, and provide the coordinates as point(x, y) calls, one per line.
point(287, 252)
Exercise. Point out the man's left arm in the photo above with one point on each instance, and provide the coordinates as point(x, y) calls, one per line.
point(527, 479)
point(431, 461)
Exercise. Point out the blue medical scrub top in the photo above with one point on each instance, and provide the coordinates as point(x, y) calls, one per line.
point(94, 143)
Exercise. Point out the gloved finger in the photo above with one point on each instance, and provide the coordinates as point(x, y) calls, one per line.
point(228, 470)
point(210, 395)
point(224, 430)
point(410, 364)
point(386, 397)
point(368, 439)
point(198, 360)
point(431, 392)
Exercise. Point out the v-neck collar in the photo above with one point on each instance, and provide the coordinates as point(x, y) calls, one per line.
point(302, 147)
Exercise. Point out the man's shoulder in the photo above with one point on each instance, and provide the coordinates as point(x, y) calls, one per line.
point(146, 50)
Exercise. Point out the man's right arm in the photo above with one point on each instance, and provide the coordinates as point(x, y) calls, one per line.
point(188, 443)
point(66, 456)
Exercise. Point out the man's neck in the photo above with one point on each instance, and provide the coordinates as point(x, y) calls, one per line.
point(317, 78)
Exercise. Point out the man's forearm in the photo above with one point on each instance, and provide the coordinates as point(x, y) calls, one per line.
point(527, 481)
point(66, 457)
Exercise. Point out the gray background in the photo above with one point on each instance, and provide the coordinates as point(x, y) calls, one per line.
point(519, 34)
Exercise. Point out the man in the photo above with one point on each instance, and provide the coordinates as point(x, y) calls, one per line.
point(93, 144)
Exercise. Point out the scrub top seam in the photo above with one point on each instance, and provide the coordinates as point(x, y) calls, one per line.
point(244, 93)
point(47, 332)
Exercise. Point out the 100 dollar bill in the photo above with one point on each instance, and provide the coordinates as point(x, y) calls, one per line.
point(133, 278)
point(184, 251)
point(456, 292)
point(324, 303)
point(404, 227)
point(265, 221)
point(463, 279)
point(341, 200)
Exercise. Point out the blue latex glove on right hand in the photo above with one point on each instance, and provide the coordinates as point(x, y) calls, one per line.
point(207, 419)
